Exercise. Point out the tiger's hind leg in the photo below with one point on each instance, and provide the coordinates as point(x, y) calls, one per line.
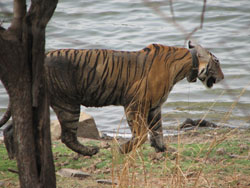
point(68, 116)
point(156, 133)
point(138, 126)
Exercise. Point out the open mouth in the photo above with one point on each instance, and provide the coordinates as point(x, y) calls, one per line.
point(210, 82)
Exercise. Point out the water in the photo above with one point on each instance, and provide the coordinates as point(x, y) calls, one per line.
point(132, 25)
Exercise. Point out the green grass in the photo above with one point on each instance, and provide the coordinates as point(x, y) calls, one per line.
point(223, 160)
point(5, 165)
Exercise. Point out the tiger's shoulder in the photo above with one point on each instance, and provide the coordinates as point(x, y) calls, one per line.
point(159, 47)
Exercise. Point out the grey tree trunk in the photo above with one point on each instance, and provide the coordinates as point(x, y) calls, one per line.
point(21, 69)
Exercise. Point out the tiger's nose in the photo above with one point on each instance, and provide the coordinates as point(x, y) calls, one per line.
point(220, 77)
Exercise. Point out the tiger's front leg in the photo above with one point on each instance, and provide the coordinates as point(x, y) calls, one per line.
point(156, 133)
point(138, 126)
point(68, 116)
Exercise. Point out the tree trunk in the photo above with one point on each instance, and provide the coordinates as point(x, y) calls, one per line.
point(21, 69)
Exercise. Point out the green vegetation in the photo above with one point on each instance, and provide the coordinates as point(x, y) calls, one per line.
point(204, 158)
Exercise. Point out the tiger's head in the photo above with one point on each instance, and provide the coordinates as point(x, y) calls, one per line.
point(209, 70)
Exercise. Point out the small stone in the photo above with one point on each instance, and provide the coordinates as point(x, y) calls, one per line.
point(106, 182)
point(105, 145)
point(191, 174)
point(87, 127)
point(106, 171)
point(244, 148)
point(221, 151)
point(157, 156)
point(67, 172)
point(1, 184)
point(233, 156)
point(171, 150)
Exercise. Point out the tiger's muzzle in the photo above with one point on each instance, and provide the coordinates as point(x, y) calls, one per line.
point(209, 81)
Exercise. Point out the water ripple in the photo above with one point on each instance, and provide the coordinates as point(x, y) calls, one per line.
point(131, 25)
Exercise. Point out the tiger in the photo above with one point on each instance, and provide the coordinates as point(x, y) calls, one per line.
point(140, 81)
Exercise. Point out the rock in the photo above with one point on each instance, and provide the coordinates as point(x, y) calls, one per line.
point(55, 130)
point(86, 129)
point(67, 172)
point(187, 123)
point(197, 123)
point(106, 182)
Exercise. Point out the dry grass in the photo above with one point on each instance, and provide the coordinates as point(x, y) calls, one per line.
point(205, 163)
point(198, 158)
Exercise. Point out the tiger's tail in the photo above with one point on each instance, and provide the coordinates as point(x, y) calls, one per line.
point(6, 116)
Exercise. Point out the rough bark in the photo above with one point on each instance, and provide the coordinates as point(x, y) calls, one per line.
point(21, 69)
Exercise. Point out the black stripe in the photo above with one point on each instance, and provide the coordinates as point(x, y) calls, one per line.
point(136, 62)
point(105, 78)
point(174, 50)
point(78, 63)
point(86, 61)
point(105, 68)
point(128, 67)
point(101, 92)
point(144, 63)
point(90, 79)
point(71, 111)
point(52, 80)
point(146, 89)
point(178, 74)
point(121, 68)
point(146, 49)
point(112, 92)
point(71, 121)
point(90, 56)
point(157, 48)
point(57, 52)
point(167, 55)
point(152, 61)
point(96, 91)
point(121, 93)
point(94, 68)
point(113, 64)
point(182, 56)
point(66, 53)
point(75, 54)
point(104, 55)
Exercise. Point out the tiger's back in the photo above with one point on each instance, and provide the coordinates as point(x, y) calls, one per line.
point(95, 77)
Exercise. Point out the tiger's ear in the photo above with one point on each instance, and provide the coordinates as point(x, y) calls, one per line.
point(190, 45)
point(201, 52)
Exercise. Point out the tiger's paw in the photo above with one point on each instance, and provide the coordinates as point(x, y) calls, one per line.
point(88, 151)
point(92, 150)
point(160, 149)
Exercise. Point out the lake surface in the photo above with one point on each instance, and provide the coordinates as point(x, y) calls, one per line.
point(132, 25)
